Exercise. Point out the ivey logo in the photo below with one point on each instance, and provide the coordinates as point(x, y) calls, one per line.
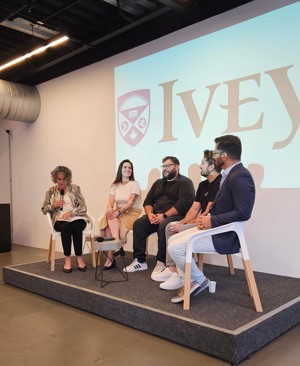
point(134, 115)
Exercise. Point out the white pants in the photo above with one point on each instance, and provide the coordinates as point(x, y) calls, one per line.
point(177, 250)
point(169, 260)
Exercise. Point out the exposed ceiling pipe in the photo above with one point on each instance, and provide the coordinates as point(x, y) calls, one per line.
point(182, 6)
point(19, 102)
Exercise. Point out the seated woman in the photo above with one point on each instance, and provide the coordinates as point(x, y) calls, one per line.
point(67, 208)
point(122, 208)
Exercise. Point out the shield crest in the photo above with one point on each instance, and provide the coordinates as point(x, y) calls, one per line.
point(134, 115)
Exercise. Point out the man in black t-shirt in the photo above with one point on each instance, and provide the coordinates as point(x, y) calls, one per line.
point(205, 195)
point(169, 199)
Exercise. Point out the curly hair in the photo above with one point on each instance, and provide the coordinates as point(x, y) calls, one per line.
point(208, 155)
point(61, 169)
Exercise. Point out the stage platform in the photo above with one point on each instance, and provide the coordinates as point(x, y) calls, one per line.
point(224, 324)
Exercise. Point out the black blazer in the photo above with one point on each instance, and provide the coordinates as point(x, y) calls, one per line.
point(233, 202)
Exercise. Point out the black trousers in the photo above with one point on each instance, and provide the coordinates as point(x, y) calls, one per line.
point(142, 228)
point(68, 231)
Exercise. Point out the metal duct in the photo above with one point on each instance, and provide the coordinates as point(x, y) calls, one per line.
point(19, 102)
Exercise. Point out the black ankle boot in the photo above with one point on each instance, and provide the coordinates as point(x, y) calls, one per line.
point(120, 252)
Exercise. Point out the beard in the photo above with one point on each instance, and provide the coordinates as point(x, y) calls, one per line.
point(219, 164)
point(204, 174)
point(171, 175)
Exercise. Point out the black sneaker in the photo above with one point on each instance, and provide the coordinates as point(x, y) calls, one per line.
point(196, 288)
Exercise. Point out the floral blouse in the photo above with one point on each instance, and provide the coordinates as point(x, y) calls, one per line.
point(77, 199)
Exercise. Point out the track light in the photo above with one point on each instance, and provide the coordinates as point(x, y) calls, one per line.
point(35, 52)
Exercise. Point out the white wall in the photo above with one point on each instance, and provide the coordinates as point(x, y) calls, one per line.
point(76, 128)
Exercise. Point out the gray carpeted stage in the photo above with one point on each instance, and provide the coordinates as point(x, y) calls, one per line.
point(224, 324)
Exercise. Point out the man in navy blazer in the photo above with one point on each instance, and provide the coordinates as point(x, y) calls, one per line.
point(233, 202)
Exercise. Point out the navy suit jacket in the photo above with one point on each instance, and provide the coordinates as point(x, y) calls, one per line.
point(233, 202)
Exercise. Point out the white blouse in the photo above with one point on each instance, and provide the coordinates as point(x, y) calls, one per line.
point(123, 191)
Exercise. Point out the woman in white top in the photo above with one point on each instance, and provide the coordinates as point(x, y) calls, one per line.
point(122, 208)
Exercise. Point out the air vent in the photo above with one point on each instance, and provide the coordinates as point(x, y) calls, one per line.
point(36, 30)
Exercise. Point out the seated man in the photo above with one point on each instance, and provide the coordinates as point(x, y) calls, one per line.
point(205, 195)
point(168, 199)
point(233, 202)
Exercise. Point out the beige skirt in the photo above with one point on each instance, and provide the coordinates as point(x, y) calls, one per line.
point(126, 221)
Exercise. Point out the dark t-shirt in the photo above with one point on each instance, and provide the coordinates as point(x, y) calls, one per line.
point(178, 193)
point(206, 192)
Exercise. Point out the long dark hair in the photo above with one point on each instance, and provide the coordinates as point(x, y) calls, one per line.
point(118, 178)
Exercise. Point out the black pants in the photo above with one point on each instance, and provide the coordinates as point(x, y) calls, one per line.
point(142, 228)
point(68, 230)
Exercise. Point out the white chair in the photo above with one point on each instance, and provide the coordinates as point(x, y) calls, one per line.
point(238, 227)
point(87, 232)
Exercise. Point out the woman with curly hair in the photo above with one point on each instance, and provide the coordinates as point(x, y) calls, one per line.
point(65, 203)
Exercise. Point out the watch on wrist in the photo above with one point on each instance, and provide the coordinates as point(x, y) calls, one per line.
point(165, 216)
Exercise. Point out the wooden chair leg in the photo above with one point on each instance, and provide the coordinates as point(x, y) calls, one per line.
point(252, 285)
point(98, 258)
point(93, 251)
point(187, 286)
point(53, 255)
point(246, 274)
point(230, 264)
point(200, 261)
point(49, 250)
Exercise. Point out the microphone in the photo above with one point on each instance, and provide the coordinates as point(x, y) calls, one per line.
point(102, 238)
point(62, 193)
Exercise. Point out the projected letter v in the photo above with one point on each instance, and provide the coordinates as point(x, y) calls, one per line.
point(189, 105)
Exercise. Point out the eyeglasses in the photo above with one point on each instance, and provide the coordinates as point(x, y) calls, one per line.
point(214, 153)
point(166, 166)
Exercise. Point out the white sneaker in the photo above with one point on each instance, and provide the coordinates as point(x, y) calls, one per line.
point(174, 282)
point(160, 266)
point(161, 276)
point(136, 266)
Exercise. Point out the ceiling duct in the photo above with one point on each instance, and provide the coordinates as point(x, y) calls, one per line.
point(19, 102)
point(180, 5)
point(34, 29)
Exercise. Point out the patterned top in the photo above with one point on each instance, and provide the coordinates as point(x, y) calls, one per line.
point(76, 197)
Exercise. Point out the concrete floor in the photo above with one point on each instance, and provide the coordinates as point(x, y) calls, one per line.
point(35, 331)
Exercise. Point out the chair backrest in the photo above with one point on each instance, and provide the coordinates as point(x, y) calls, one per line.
point(239, 229)
point(92, 223)
point(237, 226)
point(50, 225)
